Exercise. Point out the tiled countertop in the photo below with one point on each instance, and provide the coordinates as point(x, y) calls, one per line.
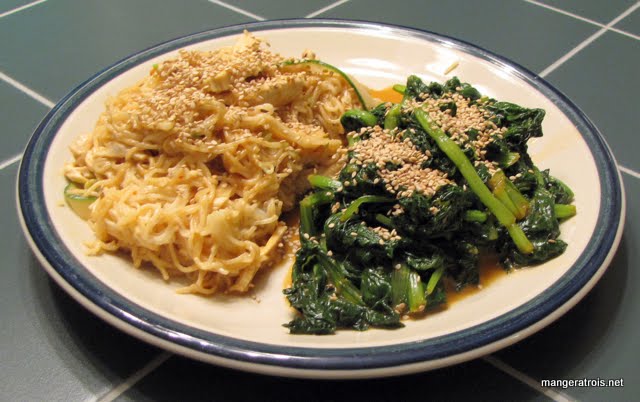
point(51, 348)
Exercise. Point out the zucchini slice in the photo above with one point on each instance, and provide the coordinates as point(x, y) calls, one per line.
point(78, 202)
point(361, 91)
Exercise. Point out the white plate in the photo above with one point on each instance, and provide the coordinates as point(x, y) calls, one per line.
point(242, 333)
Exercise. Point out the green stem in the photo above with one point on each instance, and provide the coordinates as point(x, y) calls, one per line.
point(451, 149)
point(354, 120)
point(400, 88)
point(322, 65)
point(455, 154)
point(434, 279)
point(344, 287)
point(509, 159)
point(323, 182)
point(501, 193)
point(499, 182)
point(564, 211)
point(521, 203)
point(492, 233)
point(473, 215)
point(384, 220)
point(520, 238)
point(355, 205)
point(392, 119)
point(307, 206)
point(352, 139)
point(517, 199)
point(399, 287)
point(416, 296)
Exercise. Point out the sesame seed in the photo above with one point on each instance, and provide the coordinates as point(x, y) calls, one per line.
point(381, 148)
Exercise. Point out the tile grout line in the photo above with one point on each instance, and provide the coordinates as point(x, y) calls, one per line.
point(17, 9)
point(237, 10)
point(629, 171)
point(525, 379)
point(23, 88)
point(578, 17)
point(625, 33)
point(135, 377)
point(587, 41)
point(325, 9)
point(567, 13)
point(32, 94)
point(605, 27)
point(10, 161)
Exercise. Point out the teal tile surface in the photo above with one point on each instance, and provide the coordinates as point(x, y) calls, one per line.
point(528, 34)
point(68, 41)
point(276, 9)
point(51, 348)
point(8, 5)
point(600, 337)
point(631, 23)
point(198, 382)
point(597, 10)
point(602, 80)
point(20, 115)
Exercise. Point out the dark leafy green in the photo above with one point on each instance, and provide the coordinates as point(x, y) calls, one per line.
point(369, 255)
point(521, 123)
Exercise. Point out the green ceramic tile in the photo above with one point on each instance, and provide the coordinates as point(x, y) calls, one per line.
point(59, 44)
point(597, 10)
point(602, 80)
point(198, 382)
point(8, 5)
point(631, 23)
point(528, 34)
point(600, 337)
point(51, 348)
point(19, 114)
point(276, 9)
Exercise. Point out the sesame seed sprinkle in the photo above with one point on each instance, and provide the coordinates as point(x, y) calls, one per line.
point(382, 148)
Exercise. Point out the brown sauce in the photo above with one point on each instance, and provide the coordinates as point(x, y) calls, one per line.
point(490, 271)
point(386, 95)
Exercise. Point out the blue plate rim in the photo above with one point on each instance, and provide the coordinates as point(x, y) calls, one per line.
point(39, 227)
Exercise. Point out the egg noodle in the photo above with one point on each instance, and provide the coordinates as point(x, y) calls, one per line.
point(193, 166)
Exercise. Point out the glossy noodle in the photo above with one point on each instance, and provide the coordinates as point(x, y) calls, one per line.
point(193, 166)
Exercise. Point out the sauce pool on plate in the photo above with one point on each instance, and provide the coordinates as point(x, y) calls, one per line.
point(386, 95)
point(489, 270)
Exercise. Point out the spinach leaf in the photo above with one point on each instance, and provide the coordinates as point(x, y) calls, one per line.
point(370, 255)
